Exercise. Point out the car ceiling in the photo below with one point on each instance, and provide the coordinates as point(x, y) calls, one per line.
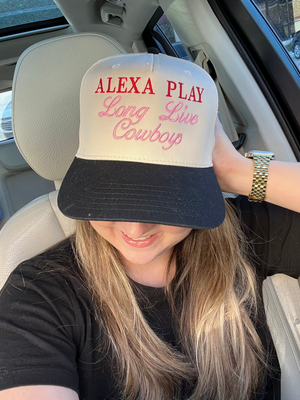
point(83, 16)
point(198, 29)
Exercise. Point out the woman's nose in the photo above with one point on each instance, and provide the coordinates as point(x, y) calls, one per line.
point(136, 229)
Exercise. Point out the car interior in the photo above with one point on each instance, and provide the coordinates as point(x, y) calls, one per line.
point(42, 63)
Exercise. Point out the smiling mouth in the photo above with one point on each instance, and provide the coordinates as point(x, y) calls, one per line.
point(143, 241)
point(138, 239)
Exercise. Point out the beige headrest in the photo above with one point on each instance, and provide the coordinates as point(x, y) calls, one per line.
point(45, 105)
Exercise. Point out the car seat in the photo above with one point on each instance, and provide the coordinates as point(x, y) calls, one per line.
point(46, 125)
point(45, 107)
point(281, 295)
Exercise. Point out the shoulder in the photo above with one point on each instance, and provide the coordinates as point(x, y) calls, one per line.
point(59, 257)
point(50, 275)
point(49, 290)
point(273, 235)
point(248, 208)
point(265, 216)
point(43, 321)
point(59, 263)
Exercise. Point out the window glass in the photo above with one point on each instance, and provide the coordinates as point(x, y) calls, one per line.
point(21, 12)
point(165, 25)
point(5, 116)
point(284, 18)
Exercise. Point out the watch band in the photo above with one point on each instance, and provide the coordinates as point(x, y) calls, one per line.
point(260, 176)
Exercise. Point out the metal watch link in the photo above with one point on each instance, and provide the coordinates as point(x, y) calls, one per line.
point(260, 177)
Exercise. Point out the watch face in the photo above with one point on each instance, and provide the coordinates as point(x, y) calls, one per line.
point(252, 153)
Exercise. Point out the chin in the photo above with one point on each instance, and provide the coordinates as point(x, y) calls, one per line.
point(139, 259)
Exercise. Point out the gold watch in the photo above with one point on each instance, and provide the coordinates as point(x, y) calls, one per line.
point(260, 177)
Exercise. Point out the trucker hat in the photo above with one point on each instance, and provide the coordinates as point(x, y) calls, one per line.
point(145, 148)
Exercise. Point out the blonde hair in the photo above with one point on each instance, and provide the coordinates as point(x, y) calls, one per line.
point(212, 298)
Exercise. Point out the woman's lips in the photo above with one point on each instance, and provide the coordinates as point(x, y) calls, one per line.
point(143, 241)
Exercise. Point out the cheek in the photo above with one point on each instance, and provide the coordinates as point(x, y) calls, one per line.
point(102, 224)
point(104, 228)
point(177, 231)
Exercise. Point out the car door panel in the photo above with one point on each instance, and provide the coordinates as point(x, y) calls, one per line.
point(19, 184)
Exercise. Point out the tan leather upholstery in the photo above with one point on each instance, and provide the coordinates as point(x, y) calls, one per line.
point(46, 124)
point(33, 229)
point(282, 303)
point(45, 98)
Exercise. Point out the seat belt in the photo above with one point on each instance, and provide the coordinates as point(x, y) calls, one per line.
point(224, 113)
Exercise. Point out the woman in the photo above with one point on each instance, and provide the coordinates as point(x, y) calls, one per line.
point(154, 298)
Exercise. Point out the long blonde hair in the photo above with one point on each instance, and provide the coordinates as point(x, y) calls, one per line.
point(212, 297)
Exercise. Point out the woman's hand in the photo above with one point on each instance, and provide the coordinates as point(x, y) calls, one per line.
point(234, 172)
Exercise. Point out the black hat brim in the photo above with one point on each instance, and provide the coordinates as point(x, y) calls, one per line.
point(101, 190)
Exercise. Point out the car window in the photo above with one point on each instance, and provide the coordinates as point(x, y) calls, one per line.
point(159, 33)
point(164, 25)
point(284, 18)
point(262, 36)
point(14, 12)
point(5, 116)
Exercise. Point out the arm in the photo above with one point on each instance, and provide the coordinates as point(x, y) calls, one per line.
point(235, 173)
point(39, 393)
point(37, 346)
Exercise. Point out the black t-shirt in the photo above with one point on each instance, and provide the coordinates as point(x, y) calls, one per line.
point(273, 235)
point(48, 333)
